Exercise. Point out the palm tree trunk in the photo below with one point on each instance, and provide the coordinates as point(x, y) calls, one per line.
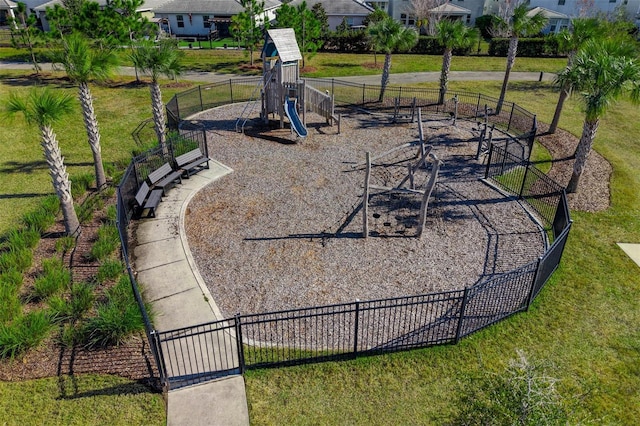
point(386, 70)
point(444, 74)
point(93, 133)
point(158, 116)
point(511, 59)
point(564, 94)
point(589, 129)
point(60, 179)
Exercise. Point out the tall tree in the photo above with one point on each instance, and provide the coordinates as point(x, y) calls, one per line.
point(25, 33)
point(570, 41)
point(601, 72)
point(452, 35)
point(45, 108)
point(250, 25)
point(514, 23)
point(157, 60)
point(387, 36)
point(82, 65)
point(306, 25)
point(321, 14)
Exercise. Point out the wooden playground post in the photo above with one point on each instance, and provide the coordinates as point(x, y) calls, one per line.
point(427, 194)
point(365, 198)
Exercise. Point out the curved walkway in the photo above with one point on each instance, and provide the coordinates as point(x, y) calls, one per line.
point(179, 298)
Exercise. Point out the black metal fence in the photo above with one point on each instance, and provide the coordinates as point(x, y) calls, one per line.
point(397, 100)
point(202, 352)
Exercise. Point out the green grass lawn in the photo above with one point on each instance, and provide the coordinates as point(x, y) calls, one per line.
point(80, 400)
point(585, 322)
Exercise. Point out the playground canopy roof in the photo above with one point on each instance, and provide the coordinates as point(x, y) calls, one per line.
point(286, 45)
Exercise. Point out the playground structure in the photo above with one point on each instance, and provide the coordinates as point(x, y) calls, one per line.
point(400, 177)
point(282, 91)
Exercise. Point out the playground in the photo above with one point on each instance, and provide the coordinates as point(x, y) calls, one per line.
point(285, 229)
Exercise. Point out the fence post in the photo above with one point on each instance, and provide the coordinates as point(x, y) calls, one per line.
point(489, 158)
point(200, 92)
point(533, 283)
point(513, 105)
point(231, 90)
point(455, 109)
point(355, 334)
point(534, 130)
point(333, 86)
point(238, 327)
point(524, 180)
point(154, 340)
point(363, 86)
point(478, 106)
point(461, 317)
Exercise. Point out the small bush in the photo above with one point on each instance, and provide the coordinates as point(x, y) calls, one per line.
point(24, 333)
point(54, 278)
point(109, 270)
point(117, 319)
point(80, 184)
point(85, 212)
point(11, 278)
point(73, 308)
point(65, 244)
point(107, 242)
point(107, 192)
point(22, 238)
point(18, 260)
point(71, 335)
point(9, 303)
point(112, 214)
point(39, 220)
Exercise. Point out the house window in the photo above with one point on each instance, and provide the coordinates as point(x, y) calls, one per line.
point(612, 1)
point(180, 20)
point(561, 2)
point(205, 21)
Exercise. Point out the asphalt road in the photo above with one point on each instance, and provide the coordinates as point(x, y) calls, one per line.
point(403, 78)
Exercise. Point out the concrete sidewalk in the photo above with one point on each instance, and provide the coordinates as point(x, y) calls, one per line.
point(179, 297)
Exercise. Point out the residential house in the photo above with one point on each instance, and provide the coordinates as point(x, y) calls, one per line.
point(353, 10)
point(556, 21)
point(7, 8)
point(201, 17)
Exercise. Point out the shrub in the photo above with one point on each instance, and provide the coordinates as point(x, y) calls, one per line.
point(11, 278)
point(17, 260)
point(107, 192)
point(74, 307)
point(112, 214)
point(527, 47)
point(23, 333)
point(107, 242)
point(109, 270)
point(117, 319)
point(9, 303)
point(54, 278)
point(85, 212)
point(22, 238)
point(65, 244)
point(39, 220)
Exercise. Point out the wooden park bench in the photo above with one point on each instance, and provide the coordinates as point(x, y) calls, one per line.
point(164, 177)
point(148, 199)
point(192, 162)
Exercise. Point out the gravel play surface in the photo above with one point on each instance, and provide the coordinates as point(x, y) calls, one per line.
point(284, 230)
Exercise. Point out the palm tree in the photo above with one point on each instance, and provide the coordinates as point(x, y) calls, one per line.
point(83, 64)
point(45, 108)
point(387, 36)
point(157, 60)
point(452, 35)
point(601, 72)
point(582, 29)
point(518, 24)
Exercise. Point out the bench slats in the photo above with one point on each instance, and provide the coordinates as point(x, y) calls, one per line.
point(191, 161)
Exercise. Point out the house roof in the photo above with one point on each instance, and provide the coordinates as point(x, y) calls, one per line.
point(286, 44)
point(7, 4)
point(547, 13)
point(450, 9)
point(52, 3)
point(339, 7)
point(217, 7)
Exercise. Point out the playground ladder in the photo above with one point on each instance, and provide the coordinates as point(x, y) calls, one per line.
point(253, 100)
